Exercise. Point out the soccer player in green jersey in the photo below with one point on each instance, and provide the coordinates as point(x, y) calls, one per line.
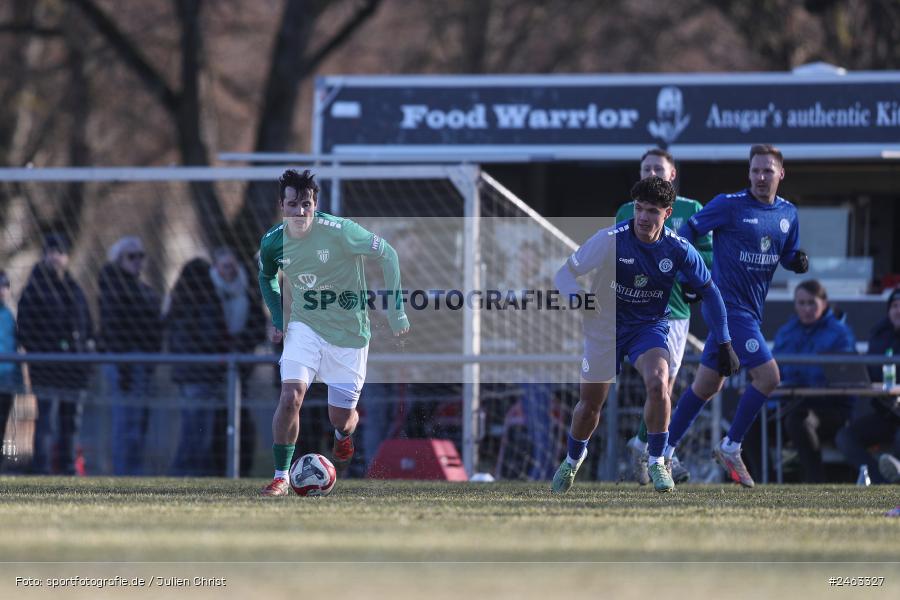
point(659, 163)
point(327, 332)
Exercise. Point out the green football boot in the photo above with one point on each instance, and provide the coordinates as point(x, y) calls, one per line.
point(565, 475)
point(662, 480)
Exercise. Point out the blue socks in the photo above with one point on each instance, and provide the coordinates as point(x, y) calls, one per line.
point(656, 443)
point(748, 407)
point(687, 409)
point(576, 449)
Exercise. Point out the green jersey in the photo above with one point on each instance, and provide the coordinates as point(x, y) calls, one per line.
point(683, 210)
point(324, 270)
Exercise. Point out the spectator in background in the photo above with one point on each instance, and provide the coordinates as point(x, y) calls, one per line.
point(246, 326)
point(129, 322)
point(882, 425)
point(815, 329)
point(9, 372)
point(196, 324)
point(54, 317)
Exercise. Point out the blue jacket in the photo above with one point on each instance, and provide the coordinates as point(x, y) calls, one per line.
point(9, 372)
point(828, 335)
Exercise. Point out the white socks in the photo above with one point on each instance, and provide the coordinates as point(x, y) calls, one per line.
point(729, 446)
point(574, 462)
point(281, 474)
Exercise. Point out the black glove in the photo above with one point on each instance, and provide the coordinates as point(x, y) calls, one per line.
point(728, 363)
point(690, 295)
point(799, 263)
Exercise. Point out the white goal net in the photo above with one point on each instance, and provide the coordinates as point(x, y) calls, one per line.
point(498, 381)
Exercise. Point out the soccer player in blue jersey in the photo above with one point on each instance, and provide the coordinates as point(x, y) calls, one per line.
point(647, 257)
point(755, 230)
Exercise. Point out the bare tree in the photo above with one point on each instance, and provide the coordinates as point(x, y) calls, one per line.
point(291, 62)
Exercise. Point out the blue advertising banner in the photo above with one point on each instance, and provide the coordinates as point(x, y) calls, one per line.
point(610, 117)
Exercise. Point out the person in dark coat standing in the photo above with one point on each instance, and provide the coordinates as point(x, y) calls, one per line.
point(129, 322)
point(246, 323)
point(54, 317)
point(195, 324)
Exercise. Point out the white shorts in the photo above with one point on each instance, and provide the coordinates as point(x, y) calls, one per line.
point(306, 355)
point(677, 340)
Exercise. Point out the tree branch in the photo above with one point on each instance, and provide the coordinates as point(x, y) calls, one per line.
point(28, 29)
point(129, 53)
point(350, 26)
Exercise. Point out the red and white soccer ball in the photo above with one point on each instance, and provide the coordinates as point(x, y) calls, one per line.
point(312, 475)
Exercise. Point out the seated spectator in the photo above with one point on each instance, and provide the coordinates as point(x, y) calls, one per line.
point(882, 425)
point(813, 330)
point(129, 322)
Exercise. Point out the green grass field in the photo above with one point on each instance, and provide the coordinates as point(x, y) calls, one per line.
point(451, 529)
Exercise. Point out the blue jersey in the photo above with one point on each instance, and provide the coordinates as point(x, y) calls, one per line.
point(751, 238)
point(645, 273)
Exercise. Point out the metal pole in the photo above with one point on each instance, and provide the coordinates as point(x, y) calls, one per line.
point(778, 465)
point(234, 419)
point(715, 428)
point(471, 371)
point(609, 466)
point(764, 418)
point(336, 199)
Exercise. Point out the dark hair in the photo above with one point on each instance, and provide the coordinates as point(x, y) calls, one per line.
point(56, 241)
point(766, 149)
point(813, 287)
point(298, 181)
point(4, 279)
point(895, 295)
point(659, 152)
point(194, 284)
point(655, 190)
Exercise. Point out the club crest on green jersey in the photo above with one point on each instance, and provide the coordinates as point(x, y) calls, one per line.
point(323, 255)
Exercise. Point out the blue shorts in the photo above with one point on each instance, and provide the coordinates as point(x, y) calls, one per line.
point(746, 339)
point(600, 365)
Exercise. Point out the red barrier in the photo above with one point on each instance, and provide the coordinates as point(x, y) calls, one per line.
point(417, 459)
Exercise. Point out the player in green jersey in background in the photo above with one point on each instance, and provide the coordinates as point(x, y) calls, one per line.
point(327, 333)
point(659, 163)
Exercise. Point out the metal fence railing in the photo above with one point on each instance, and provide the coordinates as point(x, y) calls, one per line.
point(233, 362)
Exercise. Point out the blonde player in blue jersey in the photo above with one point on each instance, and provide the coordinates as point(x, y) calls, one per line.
point(755, 231)
point(647, 257)
point(327, 332)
